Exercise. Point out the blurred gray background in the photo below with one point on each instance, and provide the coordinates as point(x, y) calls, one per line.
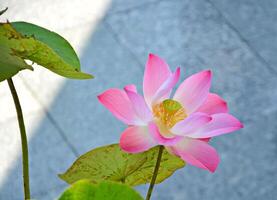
point(236, 39)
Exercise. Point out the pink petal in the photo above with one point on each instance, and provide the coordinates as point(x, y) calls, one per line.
point(221, 123)
point(164, 91)
point(139, 106)
point(191, 124)
point(193, 92)
point(214, 104)
point(205, 139)
point(197, 153)
point(155, 74)
point(136, 139)
point(118, 103)
point(131, 88)
point(154, 131)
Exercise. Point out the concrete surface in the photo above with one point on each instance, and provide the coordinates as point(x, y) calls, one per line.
point(236, 39)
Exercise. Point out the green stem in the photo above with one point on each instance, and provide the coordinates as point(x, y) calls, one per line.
point(24, 143)
point(155, 174)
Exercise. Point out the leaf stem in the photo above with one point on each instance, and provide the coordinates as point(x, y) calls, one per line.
point(24, 143)
point(155, 173)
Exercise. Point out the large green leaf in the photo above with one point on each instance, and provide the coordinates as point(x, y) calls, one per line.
point(111, 163)
point(84, 190)
point(58, 44)
point(46, 48)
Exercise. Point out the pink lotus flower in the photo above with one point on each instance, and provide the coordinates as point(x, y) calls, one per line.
point(183, 124)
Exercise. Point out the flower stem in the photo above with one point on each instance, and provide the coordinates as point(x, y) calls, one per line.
point(155, 174)
point(24, 143)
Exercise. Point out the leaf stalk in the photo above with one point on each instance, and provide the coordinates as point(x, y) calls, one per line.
point(24, 142)
point(155, 173)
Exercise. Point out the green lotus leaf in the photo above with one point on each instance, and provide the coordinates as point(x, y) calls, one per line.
point(85, 190)
point(113, 164)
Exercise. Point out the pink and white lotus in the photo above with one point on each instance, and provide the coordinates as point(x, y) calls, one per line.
point(183, 124)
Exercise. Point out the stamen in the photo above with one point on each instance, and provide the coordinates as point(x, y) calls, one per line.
point(169, 112)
